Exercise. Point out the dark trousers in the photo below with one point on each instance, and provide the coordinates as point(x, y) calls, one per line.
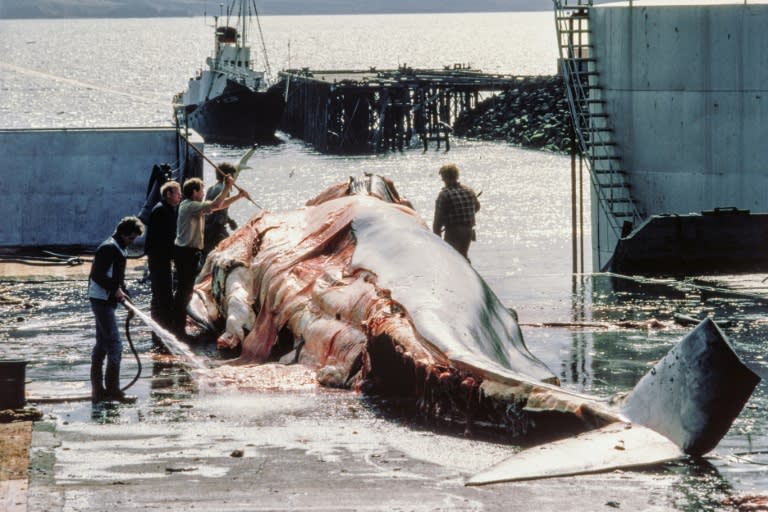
point(161, 278)
point(187, 260)
point(214, 233)
point(459, 237)
point(108, 346)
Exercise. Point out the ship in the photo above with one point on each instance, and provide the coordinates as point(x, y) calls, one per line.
point(229, 101)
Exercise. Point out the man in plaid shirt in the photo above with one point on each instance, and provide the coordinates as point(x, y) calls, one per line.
point(455, 209)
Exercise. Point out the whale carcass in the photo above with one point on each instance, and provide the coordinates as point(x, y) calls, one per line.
point(356, 286)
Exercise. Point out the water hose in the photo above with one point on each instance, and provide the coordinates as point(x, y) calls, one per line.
point(83, 398)
point(175, 347)
point(52, 259)
point(128, 319)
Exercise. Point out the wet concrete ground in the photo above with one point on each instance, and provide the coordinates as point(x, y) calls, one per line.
point(285, 444)
point(297, 451)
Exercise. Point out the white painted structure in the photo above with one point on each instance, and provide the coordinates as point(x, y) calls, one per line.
point(231, 62)
point(686, 87)
point(70, 187)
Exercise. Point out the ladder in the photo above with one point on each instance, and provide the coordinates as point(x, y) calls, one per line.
point(591, 120)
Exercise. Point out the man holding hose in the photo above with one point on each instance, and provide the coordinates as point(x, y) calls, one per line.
point(106, 287)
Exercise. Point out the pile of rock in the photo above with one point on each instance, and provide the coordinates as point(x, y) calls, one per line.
point(533, 114)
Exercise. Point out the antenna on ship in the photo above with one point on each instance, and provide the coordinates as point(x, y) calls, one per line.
point(243, 14)
point(216, 42)
point(267, 68)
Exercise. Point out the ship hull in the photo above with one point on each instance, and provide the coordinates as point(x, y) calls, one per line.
point(238, 116)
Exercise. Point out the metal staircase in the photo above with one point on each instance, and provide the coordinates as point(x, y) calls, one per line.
point(591, 121)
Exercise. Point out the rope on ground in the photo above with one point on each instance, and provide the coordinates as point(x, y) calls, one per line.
point(41, 260)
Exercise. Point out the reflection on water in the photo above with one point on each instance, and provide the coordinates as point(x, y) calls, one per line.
point(132, 89)
point(701, 485)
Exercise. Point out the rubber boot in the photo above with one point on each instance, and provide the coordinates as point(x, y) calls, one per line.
point(158, 346)
point(98, 393)
point(114, 393)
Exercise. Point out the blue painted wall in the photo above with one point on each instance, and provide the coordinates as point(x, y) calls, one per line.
point(71, 187)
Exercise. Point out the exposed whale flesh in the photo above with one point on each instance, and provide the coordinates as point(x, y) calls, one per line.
point(356, 286)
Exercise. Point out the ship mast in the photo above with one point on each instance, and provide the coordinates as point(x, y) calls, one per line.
point(243, 15)
point(216, 43)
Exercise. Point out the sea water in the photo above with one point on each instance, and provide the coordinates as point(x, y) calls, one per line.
point(124, 72)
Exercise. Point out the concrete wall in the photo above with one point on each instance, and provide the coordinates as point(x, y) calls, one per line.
point(687, 91)
point(71, 187)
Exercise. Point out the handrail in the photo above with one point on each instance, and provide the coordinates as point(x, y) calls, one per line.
point(574, 67)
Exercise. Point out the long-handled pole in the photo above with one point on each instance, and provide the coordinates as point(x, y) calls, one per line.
point(222, 173)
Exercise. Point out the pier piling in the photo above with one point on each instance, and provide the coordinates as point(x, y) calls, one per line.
point(376, 111)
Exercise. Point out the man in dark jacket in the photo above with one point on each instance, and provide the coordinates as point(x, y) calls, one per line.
point(216, 222)
point(106, 287)
point(455, 210)
point(161, 232)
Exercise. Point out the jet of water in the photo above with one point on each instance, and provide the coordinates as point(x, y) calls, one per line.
point(174, 345)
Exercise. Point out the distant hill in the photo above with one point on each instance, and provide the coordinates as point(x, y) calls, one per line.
point(14, 9)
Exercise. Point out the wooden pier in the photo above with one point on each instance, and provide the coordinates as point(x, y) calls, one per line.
point(374, 111)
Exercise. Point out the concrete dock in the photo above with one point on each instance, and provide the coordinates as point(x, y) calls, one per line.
point(268, 439)
point(284, 451)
